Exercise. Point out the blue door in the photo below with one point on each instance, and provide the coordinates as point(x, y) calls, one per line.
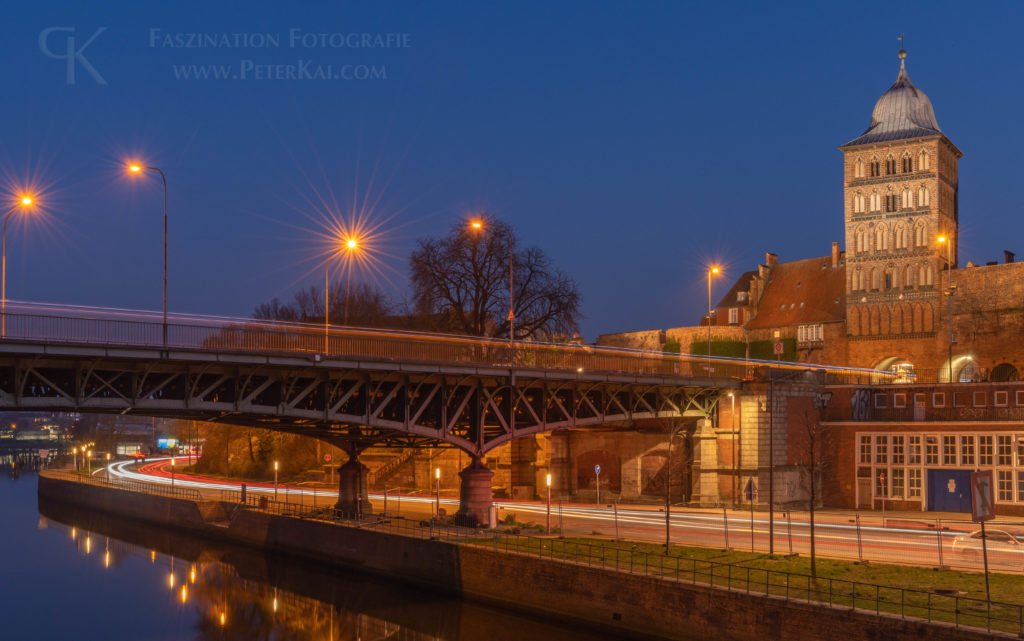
point(949, 490)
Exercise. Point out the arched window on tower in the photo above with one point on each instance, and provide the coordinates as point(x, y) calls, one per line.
point(892, 201)
point(888, 279)
point(861, 240)
point(920, 234)
point(876, 167)
point(900, 236)
point(858, 169)
point(922, 276)
point(890, 166)
point(907, 198)
point(907, 276)
point(876, 201)
point(907, 164)
point(929, 275)
point(874, 279)
point(923, 197)
point(858, 203)
point(923, 163)
point(881, 238)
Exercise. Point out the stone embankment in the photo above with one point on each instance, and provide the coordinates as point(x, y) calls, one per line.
point(633, 604)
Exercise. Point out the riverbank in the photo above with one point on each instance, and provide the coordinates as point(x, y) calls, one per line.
point(652, 601)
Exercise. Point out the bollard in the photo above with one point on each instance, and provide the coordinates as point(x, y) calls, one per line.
point(385, 501)
point(243, 493)
point(938, 538)
point(561, 530)
point(725, 523)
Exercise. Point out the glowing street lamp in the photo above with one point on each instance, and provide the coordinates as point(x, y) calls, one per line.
point(24, 202)
point(74, 455)
point(107, 468)
point(549, 503)
point(275, 480)
point(88, 461)
point(437, 491)
point(714, 270)
point(476, 225)
point(172, 472)
point(136, 168)
point(351, 246)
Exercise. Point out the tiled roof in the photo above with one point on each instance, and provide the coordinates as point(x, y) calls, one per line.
point(802, 291)
point(903, 111)
point(742, 284)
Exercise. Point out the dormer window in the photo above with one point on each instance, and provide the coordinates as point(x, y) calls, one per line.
point(741, 297)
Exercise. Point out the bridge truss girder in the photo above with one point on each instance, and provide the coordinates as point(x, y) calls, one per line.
point(356, 407)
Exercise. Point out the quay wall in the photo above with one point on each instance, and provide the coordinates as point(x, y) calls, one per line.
point(634, 605)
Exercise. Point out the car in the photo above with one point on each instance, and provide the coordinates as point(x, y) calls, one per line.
point(1005, 549)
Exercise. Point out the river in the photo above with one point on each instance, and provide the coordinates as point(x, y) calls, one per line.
point(66, 573)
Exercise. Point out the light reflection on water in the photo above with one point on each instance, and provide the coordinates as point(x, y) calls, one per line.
point(144, 581)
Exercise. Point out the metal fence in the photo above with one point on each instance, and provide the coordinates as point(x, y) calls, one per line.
point(930, 606)
point(117, 328)
point(129, 485)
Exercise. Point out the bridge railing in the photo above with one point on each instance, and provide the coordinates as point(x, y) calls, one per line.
point(115, 328)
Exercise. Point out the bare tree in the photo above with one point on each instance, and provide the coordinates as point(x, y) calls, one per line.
point(361, 304)
point(464, 277)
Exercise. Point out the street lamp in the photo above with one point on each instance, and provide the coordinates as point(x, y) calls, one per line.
point(88, 462)
point(172, 472)
point(24, 202)
point(477, 224)
point(735, 461)
point(108, 467)
point(437, 491)
point(74, 455)
point(136, 168)
point(275, 480)
point(712, 271)
point(351, 245)
point(549, 503)
point(948, 242)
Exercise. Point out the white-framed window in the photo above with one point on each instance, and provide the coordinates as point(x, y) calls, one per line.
point(898, 480)
point(967, 450)
point(914, 483)
point(1004, 486)
point(899, 400)
point(914, 449)
point(1001, 398)
point(865, 450)
point(897, 450)
point(1020, 486)
point(931, 452)
point(734, 315)
point(1004, 450)
point(881, 449)
point(978, 399)
point(741, 297)
point(938, 399)
point(985, 448)
point(810, 333)
point(949, 450)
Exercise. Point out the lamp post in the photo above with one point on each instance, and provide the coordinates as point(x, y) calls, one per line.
point(74, 456)
point(172, 472)
point(476, 225)
point(668, 488)
point(108, 467)
point(735, 461)
point(88, 462)
point(712, 271)
point(350, 245)
point(275, 480)
point(549, 504)
point(771, 453)
point(138, 169)
point(437, 491)
point(23, 203)
point(946, 240)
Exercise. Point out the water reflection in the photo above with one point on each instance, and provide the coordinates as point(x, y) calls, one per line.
point(239, 593)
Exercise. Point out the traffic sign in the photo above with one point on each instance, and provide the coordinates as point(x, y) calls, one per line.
point(597, 469)
point(327, 458)
point(983, 497)
point(778, 349)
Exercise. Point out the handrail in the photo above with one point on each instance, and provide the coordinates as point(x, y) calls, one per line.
point(124, 328)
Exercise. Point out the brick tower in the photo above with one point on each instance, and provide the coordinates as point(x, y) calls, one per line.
point(900, 201)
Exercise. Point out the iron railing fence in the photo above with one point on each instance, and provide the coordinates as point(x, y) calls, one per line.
point(129, 485)
point(107, 328)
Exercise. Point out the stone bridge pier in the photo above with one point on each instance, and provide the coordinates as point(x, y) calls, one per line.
point(475, 495)
point(353, 495)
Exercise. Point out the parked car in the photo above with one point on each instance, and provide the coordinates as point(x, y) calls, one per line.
point(1005, 549)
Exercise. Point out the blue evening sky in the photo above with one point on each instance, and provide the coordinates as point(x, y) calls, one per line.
point(633, 142)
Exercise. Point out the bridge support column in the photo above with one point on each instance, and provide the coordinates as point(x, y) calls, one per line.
point(475, 496)
point(353, 497)
point(707, 449)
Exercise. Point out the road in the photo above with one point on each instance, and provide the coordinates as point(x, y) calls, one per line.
point(908, 538)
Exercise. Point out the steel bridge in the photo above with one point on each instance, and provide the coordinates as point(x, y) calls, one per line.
point(350, 386)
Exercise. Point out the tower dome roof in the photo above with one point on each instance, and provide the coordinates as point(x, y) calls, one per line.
point(903, 111)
